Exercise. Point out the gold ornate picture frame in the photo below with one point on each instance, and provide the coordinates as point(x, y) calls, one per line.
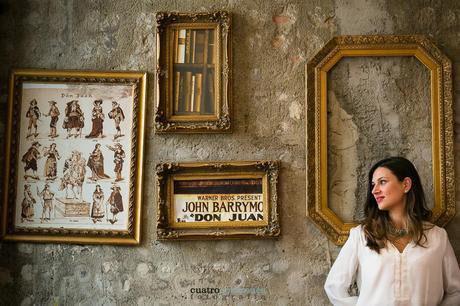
point(73, 159)
point(193, 73)
point(217, 200)
point(442, 145)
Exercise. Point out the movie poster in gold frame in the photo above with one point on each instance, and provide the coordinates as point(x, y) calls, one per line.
point(193, 74)
point(74, 153)
point(217, 200)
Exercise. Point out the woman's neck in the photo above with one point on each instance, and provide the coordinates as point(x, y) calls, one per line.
point(398, 217)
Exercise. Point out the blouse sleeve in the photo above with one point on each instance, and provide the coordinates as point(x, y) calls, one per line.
point(450, 276)
point(343, 272)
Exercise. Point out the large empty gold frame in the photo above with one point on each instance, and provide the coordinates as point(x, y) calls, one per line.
point(441, 119)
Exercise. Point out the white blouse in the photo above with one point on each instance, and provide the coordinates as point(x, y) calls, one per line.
point(418, 276)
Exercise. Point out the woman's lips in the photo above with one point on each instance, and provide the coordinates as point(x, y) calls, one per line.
point(379, 199)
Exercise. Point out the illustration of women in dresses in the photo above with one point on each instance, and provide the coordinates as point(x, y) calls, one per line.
point(27, 205)
point(96, 164)
point(97, 212)
point(97, 117)
point(51, 162)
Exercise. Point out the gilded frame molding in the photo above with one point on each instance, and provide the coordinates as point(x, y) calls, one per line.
point(131, 233)
point(440, 68)
point(165, 119)
point(166, 173)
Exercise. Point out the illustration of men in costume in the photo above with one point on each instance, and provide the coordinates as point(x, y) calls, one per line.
point(118, 116)
point(116, 203)
point(74, 175)
point(30, 159)
point(54, 114)
point(118, 159)
point(47, 196)
point(74, 119)
point(51, 162)
point(33, 113)
point(96, 164)
point(97, 117)
point(97, 211)
point(27, 205)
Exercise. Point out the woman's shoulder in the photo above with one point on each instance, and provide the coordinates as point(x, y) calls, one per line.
point(357, 232)
point(357, 229)
point(433, 230)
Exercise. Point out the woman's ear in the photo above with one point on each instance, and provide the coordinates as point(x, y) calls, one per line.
point(407, 184)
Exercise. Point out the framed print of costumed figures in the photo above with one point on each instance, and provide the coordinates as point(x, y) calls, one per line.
point(78, 200)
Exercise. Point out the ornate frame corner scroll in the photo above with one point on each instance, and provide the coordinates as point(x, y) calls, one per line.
point(74, 156)
point(440, 68)
point(193, 87)
point(231, 179)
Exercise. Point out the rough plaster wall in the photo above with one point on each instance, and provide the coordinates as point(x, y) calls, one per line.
point(390, 102)
point(271, 42)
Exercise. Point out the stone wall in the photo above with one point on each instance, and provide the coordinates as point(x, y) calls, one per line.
point(272, 40)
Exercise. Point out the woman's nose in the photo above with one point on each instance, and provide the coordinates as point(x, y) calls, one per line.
point(375, 189)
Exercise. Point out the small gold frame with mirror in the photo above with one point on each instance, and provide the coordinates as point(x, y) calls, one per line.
point(193, 76)
point(442, 140)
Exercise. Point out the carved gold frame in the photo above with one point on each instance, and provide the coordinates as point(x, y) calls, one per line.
point(132, 235)
point(166, 173)
point(165, 119)
point(441, 113)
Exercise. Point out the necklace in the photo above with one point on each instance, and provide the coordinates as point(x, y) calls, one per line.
point(397, 232)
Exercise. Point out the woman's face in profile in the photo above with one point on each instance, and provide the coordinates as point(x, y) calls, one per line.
point(388, 191)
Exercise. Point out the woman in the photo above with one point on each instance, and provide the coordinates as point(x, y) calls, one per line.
point(97, 212)
point(96, 164)
point(395, 256)
point(51, 162)
point(97, 119)
point(27, 205)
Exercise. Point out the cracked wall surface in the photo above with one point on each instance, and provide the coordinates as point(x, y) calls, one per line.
point(377, 107)
point(272, 40)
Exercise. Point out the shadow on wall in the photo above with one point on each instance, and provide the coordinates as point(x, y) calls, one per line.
point(14, 263)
